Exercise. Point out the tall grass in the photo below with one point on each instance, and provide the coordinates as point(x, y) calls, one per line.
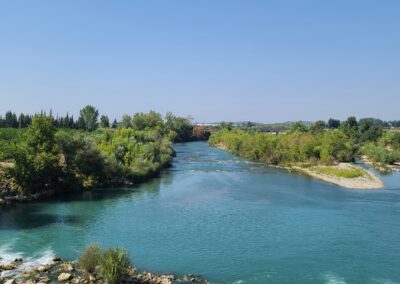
point(114, 265)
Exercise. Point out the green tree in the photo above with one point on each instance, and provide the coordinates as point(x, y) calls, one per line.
point(114, 124)
point(36, 160)
point(104, 121)
point(298, 126)
point(152, 119)
point(126, 121)
point(226, 125)
point(333, 123)
point(182, 127)
point(317, 127)
point(88, 117)
point(370, 129)
point(350, 128)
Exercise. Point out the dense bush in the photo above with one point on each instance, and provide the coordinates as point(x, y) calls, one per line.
point(294, 147)
point(47, 158)
point(36, 164)
point(314, 143)
point(111, 264)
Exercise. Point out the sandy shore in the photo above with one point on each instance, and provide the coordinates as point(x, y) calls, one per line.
point(367, 181)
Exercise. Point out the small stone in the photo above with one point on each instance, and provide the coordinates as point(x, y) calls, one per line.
point(10, 281)
point(64, 277)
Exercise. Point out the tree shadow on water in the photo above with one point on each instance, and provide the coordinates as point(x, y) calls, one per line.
point(73, 208)
point(26, 218)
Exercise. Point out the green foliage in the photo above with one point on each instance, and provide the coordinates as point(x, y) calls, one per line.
point(8, 138)
point(90, 258)
point(88, 118)
point(298, 126)
point(104, 121)
point(114, 265)
point(126, 121)
point(152, 119)
point(391, 139)
point(370, 129)
point(36, 161)
point(135, 154)
point(352, 172)
point(70, 159)
point(377, 153)
point(317, 127)
point(182, 127)
point(226, 125)
point(295, 147)
point(333, 123)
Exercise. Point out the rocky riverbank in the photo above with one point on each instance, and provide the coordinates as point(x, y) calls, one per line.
point(68, 272)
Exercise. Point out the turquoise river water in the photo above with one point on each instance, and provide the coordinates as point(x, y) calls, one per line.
point(227, 219)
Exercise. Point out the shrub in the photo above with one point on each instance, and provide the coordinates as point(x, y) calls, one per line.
point(114, 265)
point(90, 258)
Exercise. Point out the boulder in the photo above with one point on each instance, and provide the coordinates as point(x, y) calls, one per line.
point(68, 267)
point(41, 268)
point(10, 281)
point(64, 277)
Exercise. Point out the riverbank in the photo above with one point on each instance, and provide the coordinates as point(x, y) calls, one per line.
point(363, 180)
point(63, 271)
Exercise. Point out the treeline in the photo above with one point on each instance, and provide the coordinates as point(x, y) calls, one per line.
point(12, 120)
point(319, 142)
point(89, 120)
point(285, 126)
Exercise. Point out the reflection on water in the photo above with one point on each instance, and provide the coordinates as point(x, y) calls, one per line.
point(231, 220)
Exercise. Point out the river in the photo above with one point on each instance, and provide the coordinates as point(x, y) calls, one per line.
point(227, 219)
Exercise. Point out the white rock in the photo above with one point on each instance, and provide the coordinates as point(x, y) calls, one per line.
point(64, 277)
point(41, 268)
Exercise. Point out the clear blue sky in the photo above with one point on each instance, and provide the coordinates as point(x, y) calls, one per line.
point(230, 60)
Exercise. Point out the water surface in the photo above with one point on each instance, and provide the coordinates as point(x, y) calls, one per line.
point(230, 220)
